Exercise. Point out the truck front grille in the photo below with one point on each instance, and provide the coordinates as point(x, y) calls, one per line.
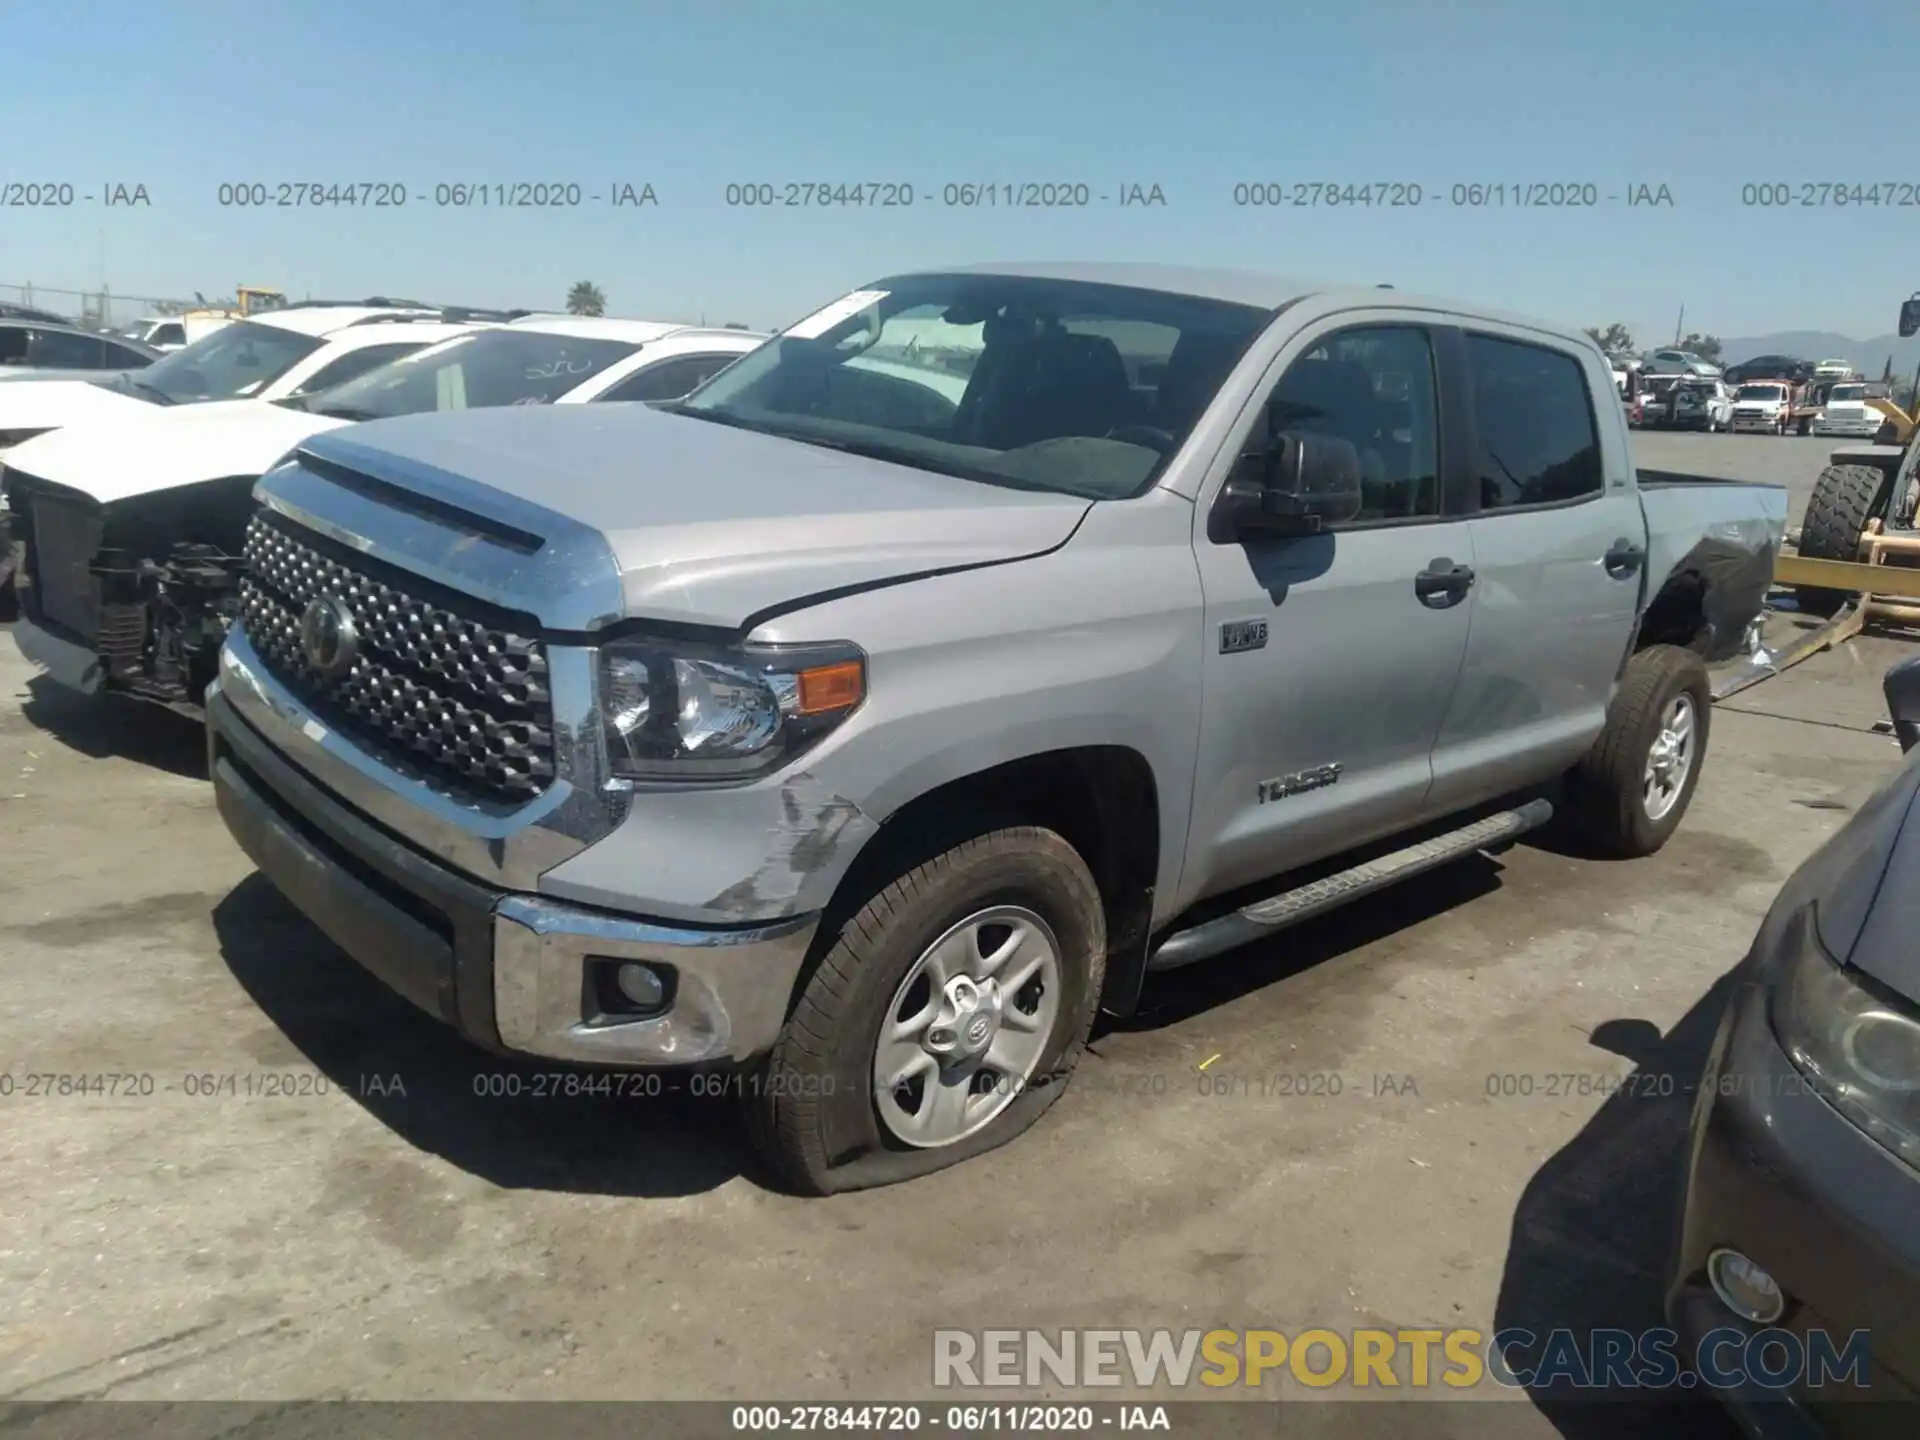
point(462, 701)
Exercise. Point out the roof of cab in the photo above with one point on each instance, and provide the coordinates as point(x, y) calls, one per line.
point(600, 327)
point(1249, 287)
point(325, 319)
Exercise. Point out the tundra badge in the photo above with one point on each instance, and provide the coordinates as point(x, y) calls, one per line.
point(1299, 782)
point(1238, 635)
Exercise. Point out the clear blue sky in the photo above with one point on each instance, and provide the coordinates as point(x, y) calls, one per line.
point(1194, 95)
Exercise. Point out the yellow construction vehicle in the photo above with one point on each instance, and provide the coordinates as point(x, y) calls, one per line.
point(1900, 425)
point(254, 300)
point(1859, 550)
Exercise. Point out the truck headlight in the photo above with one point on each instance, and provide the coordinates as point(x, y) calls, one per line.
point(1859, 1047)
point(683, 711)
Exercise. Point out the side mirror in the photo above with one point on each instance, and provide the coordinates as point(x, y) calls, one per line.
point(1294, 484)
point(1910, 317)
point(1902, 689)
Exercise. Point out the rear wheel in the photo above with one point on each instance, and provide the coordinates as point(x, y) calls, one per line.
point(944, 1020)
point(1843, 501)
point(1627, 797)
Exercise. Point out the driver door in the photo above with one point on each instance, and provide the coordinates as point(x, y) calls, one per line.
point(1331, 658)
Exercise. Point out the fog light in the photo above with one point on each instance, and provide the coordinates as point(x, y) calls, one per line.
point(1744, 1288)
point(642, 985)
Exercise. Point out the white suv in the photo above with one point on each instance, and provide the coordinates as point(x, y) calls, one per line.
point(284, 353)
point(166, 498)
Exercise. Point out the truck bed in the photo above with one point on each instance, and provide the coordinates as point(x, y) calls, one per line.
point(1673, 479)
point(1723, 533)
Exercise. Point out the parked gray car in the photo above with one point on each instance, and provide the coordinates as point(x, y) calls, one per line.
point(1803, 1162)
point(869, 740)
point(40, 350)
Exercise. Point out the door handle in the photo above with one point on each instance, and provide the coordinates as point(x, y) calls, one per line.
point(1623, 558)
point(1442, 583)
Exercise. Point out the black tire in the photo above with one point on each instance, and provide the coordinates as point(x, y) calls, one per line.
point(1606, 803)
point(1843, 501)
point(810, 1106)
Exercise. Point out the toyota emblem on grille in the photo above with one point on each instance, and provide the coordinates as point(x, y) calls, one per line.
point(328, 638)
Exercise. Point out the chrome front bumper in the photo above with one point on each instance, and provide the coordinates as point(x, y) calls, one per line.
point(508, 969)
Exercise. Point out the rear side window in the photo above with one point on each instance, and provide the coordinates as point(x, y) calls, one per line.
point(1538, 441)
point(351, 366)
point(61, 350)
point(671, 379)
point(169, 335)
point(119, 357)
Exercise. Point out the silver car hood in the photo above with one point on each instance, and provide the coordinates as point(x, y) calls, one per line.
point(700, 523)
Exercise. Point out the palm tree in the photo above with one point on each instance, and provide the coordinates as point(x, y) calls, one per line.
point(585, 299)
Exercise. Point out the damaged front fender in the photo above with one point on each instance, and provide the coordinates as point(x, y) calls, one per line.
point(721, 856)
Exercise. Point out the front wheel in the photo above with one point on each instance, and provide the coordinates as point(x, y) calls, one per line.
point(1627, 796)
point(945, 1018)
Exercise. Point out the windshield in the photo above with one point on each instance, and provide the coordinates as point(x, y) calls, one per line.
point(1055, 385)
point(234, 362)
point(473, 372)
point(1762, 392)
point(1847, 392)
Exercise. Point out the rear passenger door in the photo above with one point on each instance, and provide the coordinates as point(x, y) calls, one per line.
point(1330, 658)
point(1559, 544)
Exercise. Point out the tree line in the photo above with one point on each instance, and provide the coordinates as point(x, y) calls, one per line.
point(1617, 339)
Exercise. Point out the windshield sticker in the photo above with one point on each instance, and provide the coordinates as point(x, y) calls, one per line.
point(821, 321)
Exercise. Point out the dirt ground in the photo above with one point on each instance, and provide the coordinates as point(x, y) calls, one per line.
point(368, 1224)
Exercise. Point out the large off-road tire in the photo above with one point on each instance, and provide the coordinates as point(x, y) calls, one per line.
point(1842, 503)
point(1627, 795)
point(819, 1109)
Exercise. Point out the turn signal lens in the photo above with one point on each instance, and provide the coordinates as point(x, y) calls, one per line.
point(831, 687)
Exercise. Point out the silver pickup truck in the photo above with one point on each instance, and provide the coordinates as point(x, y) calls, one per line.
point(863, 731)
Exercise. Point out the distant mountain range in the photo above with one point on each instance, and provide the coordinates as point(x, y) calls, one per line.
point(1868, 356)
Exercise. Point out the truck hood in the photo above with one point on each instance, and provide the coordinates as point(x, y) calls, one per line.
point(162, 447)
point(53, 404)
point(706, 524)
point(1862, 883)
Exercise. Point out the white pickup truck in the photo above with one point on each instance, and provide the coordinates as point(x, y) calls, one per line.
point(1763, 407)
point(131, 534)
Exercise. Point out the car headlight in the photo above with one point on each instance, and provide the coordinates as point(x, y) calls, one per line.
point(683, 711)
point(1860, 1047)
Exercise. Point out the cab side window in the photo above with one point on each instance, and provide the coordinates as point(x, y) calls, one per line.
point(1372, 386)
point(670, 379)
point(1539, 444)
point(351, 366)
